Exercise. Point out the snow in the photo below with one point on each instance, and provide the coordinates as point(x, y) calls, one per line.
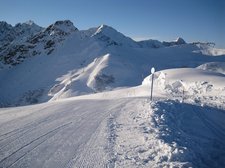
point(120, 128)
point(65, 26)
point(214, 67)
point(113, 37)
point(72, 62)
point(68, 62)
point(56, 134)
point(94, 108)
point(210, 51)
point(169, 134)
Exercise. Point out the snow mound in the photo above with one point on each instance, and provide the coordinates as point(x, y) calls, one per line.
point(192, 132)
point(193, 85)
point(187, 75)
point(213, 66)
point(159, 80)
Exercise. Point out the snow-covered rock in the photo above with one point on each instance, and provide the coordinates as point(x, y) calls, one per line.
point(110, 36)
point(64, 27)
point(18, 33)
point(31, 40)
point(178, 41)
point(150, 44)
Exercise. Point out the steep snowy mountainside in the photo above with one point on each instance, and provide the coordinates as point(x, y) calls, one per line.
point(13, 41)
point(25, 30)
point(61, 28)
point(61, 61)
point(18, 33)
point(5, 33)
point(111, 36)
point(42, 41)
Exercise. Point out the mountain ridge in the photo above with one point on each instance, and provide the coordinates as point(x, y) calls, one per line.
point(61, 61)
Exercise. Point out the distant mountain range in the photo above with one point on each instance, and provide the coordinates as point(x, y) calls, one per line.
point(40, 64)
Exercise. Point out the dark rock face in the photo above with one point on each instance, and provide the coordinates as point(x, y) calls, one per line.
point(27, 39)
point(179, 41)
point(61, 28)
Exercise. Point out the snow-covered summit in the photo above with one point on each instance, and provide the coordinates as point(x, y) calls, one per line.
point(180, 40)
point(18, 33)
point(64, 27)
point(26, 29)
point(28, 39)
point(29, 22)
point(5, 32)
point(111, 36)
point(4, 27)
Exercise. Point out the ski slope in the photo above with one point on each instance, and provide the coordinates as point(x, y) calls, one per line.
point(122, 128)
point(58, 134)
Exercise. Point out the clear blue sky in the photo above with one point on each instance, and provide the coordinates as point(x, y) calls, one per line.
point(202, 20)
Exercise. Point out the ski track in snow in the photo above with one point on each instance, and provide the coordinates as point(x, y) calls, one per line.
point(125, 132)
point(74, 135)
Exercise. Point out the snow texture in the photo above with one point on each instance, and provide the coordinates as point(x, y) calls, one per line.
point(91, 92)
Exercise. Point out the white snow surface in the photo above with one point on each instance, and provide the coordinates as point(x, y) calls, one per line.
point(95, 108)
point(214, 67)
point(122, 128)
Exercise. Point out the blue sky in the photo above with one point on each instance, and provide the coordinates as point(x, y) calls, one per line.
point(194, 20)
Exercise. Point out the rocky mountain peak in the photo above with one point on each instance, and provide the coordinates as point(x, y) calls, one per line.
point(5, 30)
point(180, 40)
point(4, 24)
point(64, 27)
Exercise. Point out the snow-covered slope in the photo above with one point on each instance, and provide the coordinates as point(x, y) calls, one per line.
point(150, 44)
point(110, 36)
point(122, 128)
point(61, 61)
point(208, 49)
point(18, 33)
point(214, 67)
point(34, 41)
point(97, 111)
